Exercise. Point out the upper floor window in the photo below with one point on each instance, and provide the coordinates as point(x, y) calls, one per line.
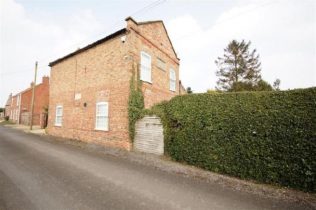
point(161, 64)
point(145, 67)
point(102, 116)
point(172, 80)
point(59, 115)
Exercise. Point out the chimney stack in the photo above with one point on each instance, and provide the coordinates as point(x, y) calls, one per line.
point(45, 79)
point(131, 23)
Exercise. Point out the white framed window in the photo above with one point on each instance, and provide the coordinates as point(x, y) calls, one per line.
point(145, 67)
point(59, 115)
point(102, 116)
point(173, 80)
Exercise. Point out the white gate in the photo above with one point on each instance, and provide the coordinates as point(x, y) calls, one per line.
point(149, 135)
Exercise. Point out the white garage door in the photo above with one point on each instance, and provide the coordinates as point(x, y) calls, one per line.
point(149, 135)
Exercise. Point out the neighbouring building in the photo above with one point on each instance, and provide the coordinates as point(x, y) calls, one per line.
point(90, 87)
point(8, 106)
point(2, 114)
point(182, 89)
point(18, 107)
point(15, 108)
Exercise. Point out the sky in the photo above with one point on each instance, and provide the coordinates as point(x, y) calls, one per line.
point(282, 31)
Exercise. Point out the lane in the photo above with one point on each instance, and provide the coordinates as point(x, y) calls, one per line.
point(11, 196)
point(41, 174)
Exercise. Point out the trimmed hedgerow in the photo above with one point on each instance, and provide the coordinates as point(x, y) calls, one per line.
point(265, 136)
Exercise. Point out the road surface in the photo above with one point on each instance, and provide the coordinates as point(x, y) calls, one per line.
point(40, 174)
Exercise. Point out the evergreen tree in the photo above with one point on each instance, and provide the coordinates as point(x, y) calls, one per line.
point(189, 90)
point(239, 69)
point(276, 84)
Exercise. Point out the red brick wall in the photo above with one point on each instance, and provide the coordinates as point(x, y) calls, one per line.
point(41, 100)
point(102, 74)
point(21, 102)
point(98, 74)
point(152, 39)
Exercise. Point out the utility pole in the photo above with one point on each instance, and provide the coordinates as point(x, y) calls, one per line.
point(33, 95)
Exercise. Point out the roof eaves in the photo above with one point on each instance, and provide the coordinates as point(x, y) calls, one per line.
point(148, 22)
point(130, 18)
point(111, 36)
point(170, 40)
point(155, 21)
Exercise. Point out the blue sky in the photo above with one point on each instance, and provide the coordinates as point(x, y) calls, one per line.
point(282, 31)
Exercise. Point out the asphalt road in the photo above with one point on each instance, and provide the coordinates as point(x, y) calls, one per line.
point(40, 174)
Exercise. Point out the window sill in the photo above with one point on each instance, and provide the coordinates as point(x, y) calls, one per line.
point(147, 82)
point(102, 130)
point(59, 126)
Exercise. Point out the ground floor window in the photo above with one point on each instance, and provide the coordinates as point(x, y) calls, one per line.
point(102, 116)
point(59, 115)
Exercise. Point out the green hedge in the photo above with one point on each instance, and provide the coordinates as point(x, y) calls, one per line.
point(265, 136)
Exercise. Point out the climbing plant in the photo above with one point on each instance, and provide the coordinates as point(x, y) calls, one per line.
point(135, 104)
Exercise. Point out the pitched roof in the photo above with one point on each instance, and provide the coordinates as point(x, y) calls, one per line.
point(111, 36)
point(155, 21)
point(141, 23)
point(25, 90)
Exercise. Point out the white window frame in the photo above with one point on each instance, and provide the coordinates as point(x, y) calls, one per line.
point(172, 80)
point(105, 115)
point(59, 115)
point(145, 71)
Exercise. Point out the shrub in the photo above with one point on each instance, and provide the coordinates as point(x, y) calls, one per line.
point(265, 136)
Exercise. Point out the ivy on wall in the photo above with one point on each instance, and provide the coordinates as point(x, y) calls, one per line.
point(135, 104)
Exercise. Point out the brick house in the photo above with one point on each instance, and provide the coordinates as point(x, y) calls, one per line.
point(90, 87)
point(14, 109)
point(8, 106)
point(20, 104)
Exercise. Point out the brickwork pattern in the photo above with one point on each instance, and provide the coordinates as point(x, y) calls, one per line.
point(102, 74)
point(21, 103)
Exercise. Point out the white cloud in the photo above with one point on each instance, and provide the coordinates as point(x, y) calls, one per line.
point(25, 40)
point(282, 32)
